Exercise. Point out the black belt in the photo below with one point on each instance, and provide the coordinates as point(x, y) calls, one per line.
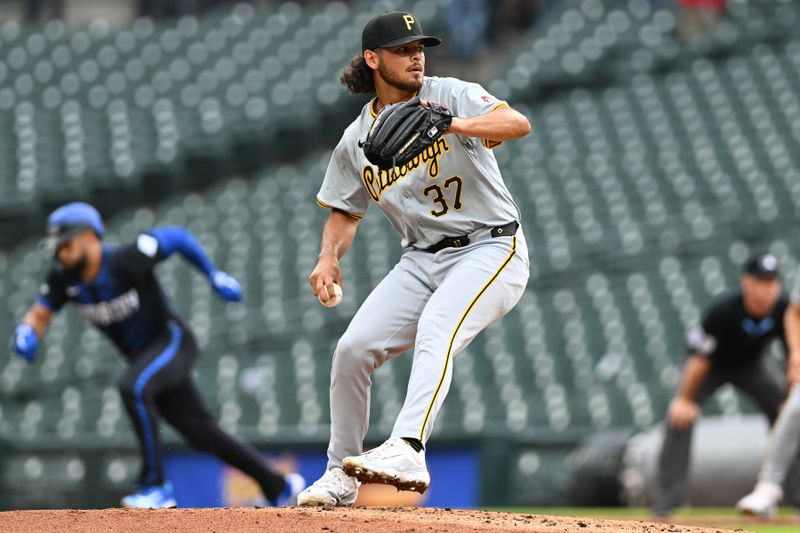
point(457, 242)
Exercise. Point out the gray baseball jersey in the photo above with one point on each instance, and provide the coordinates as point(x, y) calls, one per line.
point(452, 189)
point(435, 303)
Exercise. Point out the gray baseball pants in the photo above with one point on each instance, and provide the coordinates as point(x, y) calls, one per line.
point(435, 303)
point(784, 441)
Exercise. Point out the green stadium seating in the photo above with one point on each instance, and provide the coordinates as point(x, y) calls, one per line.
point(641, 192)
point(134, 114)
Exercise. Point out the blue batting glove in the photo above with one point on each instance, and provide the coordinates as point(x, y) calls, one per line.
point(226, 286)
point(25, 341)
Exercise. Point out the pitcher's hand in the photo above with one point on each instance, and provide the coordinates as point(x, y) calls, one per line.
point(325, 274)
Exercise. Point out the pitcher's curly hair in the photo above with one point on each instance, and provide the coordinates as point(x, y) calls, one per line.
point(357, 77)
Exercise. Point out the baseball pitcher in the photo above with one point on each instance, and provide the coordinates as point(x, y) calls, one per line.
point(465, 263)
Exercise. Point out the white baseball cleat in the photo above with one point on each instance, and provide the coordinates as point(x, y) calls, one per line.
point(394, 463)
point(151, 497)
point(763, 501)
point(334, 488)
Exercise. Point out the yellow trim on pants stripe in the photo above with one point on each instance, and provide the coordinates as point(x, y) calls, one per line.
point(458, 327)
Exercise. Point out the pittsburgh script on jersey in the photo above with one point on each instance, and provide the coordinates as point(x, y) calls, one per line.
point(116, 310)
point(377, 181)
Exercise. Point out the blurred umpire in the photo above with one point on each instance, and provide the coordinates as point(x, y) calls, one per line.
point(115, 288)
point(729, 347)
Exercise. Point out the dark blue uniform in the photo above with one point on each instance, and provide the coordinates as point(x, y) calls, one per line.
point(126, 302)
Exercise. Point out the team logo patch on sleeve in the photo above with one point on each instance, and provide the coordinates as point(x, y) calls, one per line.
point(487, 99)
point(701, 342)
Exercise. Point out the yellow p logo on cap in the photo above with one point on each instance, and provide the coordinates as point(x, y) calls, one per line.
point(409, 21)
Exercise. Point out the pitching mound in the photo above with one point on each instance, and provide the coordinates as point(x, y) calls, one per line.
point(286, 520)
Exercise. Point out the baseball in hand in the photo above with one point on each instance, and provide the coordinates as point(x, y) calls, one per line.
point(333, 299)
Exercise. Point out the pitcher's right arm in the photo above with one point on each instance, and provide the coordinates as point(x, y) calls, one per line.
point(337, 237)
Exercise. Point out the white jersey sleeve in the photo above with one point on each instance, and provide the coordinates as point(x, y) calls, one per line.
point(795, 295)
point(342, 188)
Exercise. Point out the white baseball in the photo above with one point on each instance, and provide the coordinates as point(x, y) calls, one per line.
point(334, 300)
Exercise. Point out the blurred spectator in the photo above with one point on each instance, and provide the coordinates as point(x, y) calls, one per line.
point(177, 8)
point(467, 22)
point(41, 10)
point(509, 17)
point(479, 30)
point(697, 18)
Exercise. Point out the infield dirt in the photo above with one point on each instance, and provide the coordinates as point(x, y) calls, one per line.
point(340, 520)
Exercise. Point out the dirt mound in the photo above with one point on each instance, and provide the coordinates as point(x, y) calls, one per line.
point(285, 520)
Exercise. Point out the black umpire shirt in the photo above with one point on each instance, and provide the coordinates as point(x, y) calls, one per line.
point(731, 338)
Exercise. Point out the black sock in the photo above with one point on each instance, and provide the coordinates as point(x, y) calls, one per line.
point(414, 443)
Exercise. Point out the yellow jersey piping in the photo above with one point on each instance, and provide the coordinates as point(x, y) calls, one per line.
point(351, 215)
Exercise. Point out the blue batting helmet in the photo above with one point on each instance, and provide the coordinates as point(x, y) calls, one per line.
point(69, 220)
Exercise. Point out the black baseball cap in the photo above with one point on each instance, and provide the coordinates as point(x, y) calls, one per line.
point(762, 266)
point(394, 28)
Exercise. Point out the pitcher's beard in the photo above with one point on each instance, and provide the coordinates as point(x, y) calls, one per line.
point(394, 80)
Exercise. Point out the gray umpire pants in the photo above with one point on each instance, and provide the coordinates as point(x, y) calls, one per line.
point(762, 380)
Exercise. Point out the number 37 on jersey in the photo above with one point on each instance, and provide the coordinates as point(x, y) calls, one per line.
point(445, 197)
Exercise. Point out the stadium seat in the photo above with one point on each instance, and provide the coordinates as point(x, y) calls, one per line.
point(641, 194)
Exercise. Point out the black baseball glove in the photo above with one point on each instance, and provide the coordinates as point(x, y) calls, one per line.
point(402, 131)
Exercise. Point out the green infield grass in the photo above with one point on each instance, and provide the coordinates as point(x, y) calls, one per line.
point(786, 521)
